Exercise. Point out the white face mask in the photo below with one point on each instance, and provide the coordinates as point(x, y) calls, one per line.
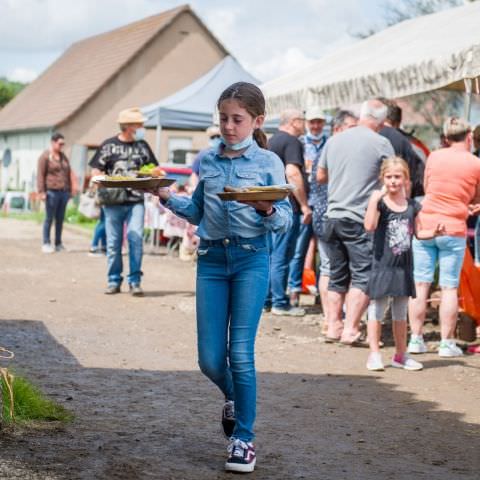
point(245, 143)
point(314, 137)
point(139, 134)
point(215, 142)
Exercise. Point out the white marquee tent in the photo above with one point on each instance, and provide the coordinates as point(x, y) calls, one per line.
point(441, 50)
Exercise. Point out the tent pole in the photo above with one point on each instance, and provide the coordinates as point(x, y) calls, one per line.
point(468, 97)
point(158, 137)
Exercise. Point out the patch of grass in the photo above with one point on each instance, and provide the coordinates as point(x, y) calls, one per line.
point(72, 217)
point(32, 216)
point(30, 404)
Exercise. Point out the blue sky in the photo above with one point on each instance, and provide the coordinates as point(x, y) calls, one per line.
point(269, 37)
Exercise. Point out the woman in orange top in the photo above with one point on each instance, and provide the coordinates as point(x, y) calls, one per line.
point(452, 176)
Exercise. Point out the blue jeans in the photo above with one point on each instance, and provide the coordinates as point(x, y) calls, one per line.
point(232, 282)
point(55, 206)
point(115, 217)
point(283, 249)
point(99, 234)
point(297, 263)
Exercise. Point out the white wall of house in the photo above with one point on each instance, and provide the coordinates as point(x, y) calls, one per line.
point(26, 147)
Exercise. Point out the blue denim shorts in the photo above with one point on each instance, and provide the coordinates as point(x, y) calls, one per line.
point(448, 251)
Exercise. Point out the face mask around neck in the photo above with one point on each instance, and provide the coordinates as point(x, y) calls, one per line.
point(240, 145)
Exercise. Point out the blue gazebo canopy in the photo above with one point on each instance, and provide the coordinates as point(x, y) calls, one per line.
point(192, 108)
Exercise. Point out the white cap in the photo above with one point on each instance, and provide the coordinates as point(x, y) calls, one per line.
point(314, 113)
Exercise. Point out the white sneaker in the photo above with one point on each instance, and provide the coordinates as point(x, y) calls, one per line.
point(407, 363)
point(416, 345)
point(289, 311)
point(60, 248)
point(448, 348)
point(47, 248)
point(374, 362)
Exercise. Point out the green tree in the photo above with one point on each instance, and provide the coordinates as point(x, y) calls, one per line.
point(8, 90)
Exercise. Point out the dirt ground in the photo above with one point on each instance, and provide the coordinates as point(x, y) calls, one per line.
point(127, 369)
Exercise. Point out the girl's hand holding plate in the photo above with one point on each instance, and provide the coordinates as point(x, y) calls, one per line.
point(261, 206)
point(162, 192)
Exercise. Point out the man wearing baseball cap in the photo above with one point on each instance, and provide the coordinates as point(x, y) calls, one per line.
point(121, 155)
point(313, 142)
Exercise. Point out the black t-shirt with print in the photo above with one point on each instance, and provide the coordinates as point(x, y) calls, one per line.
point(290, 150)
point(392, 266)
point(115, 157)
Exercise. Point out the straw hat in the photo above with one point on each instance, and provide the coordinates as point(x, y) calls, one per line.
point(315, 113)
point(131, 115)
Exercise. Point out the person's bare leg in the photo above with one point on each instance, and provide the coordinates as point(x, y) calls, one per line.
point(335, 302)
point(323, 290)
point(448, 313)
point(310, 256)
point(399, 328)
point(374, 331)
point(356, 302)
point(417, 308)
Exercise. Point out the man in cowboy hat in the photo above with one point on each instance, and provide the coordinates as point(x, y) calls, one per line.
point(120, 155)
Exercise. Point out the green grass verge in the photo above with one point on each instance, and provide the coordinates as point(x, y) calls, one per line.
point(30, 404)
point(32, 216)
point(72, 217)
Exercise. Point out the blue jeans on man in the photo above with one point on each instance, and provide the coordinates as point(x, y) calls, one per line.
point(55, 206)
point(283, 249)
point(99, 240)
point(297, 263)
point(232, 282)
point(115, 217)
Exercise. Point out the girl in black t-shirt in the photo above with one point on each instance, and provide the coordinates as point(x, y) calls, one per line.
point(391, 215)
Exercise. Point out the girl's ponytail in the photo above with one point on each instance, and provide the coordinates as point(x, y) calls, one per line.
point(260, 137)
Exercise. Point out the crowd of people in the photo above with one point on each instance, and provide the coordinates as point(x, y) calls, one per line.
point(379, 218)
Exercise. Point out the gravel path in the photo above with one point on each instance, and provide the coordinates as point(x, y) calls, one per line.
point(127, 368)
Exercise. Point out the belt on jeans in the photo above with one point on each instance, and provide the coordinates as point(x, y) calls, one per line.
point(225, 242)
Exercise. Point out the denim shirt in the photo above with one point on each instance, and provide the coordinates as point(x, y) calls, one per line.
point(217, 219)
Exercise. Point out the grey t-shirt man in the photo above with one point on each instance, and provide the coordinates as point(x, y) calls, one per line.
point(352, 159)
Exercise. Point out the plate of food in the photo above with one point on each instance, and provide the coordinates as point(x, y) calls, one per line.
point(270, 193)
point(147, 183)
